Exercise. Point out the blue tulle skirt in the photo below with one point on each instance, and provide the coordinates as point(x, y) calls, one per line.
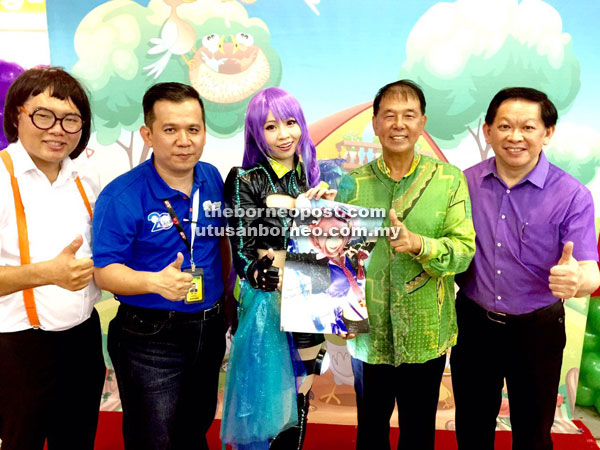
point(260, 388)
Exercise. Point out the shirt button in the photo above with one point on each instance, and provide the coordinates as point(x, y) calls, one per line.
point(499, 244)
point(503, 216)
point(499, 272)
point(508, 191)
point(499, 297)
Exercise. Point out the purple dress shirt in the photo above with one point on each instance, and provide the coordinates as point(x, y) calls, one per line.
point(521, 232)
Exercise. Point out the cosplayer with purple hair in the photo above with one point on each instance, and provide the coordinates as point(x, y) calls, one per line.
point(282, 105)
point(270, 372)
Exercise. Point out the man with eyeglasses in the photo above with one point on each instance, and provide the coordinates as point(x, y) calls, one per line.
point(50, 340)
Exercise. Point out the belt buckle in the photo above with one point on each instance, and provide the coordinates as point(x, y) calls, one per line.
point(487, 313)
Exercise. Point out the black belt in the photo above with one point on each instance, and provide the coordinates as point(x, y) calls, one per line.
point(504, 318)
point(159, 314)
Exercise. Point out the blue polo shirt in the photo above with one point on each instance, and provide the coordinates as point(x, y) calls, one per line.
point(132, 227)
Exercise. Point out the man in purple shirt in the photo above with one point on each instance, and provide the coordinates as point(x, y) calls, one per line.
point(536, 247)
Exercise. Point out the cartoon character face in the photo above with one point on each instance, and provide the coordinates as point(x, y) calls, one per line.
point(229, 68)
point(334, 245)
point(330, 236)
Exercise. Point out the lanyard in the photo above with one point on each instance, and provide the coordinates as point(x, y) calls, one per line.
point(195, 208)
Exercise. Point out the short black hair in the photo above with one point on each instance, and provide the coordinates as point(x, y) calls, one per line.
point(547, 108)
point(171, 92)
point(404, 88)
point(59, 84)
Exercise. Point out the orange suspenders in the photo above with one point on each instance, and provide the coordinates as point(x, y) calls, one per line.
point(23, 236)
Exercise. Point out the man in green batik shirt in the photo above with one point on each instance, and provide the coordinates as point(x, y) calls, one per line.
point(410, 279)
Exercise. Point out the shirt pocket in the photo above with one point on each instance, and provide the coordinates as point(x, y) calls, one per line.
point(539, 244)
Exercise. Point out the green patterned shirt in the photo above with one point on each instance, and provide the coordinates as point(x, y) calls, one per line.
point(410, 298)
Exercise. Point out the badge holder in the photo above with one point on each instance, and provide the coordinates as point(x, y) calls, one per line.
point(196, 293)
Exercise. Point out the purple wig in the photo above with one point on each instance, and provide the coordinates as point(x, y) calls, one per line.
point(283, 106)
point(8, 73)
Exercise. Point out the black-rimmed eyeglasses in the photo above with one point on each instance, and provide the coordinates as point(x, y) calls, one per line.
point(44, 119)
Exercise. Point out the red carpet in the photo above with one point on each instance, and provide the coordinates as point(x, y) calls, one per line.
point(328, 437)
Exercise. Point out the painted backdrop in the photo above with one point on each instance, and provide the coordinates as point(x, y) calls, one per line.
point(332, 55)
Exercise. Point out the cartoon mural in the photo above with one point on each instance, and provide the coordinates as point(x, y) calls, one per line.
point(333, 55)
point(145, 45)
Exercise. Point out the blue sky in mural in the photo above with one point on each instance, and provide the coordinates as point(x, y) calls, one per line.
point(339, 58)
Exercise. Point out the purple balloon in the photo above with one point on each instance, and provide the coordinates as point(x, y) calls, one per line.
point(9, 72)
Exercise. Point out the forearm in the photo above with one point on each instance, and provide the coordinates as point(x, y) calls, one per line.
point(120, 279)
point(446, 256)
point(18, 278)
point(453, 251)
point(225, 249)
point(589, 278)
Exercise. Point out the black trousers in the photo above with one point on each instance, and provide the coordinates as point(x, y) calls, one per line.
point(416, 389)
point(527, 351)
point(50, 387)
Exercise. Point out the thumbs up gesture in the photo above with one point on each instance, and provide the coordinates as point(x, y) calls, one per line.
point(565, 276)
point(70, 272)
point(171, 282)
point(401, 239)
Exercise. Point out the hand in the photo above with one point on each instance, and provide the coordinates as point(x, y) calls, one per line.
point(565, 276)
point(319, 192)
point(346, 336)
point(401, 238)
point(68, 271)
point(171, 282)
point(266, 276)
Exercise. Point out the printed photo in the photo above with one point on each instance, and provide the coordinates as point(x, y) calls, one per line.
point(324, 278)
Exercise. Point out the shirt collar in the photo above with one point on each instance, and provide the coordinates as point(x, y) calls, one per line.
point(386, 170)
point(537, 176)
point(160, 188)
point(281, 170)
point(23, 163)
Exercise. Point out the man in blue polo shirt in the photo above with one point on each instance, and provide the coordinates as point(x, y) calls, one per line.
point(151, 249)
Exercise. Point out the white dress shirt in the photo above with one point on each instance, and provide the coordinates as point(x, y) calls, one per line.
point(55, 215)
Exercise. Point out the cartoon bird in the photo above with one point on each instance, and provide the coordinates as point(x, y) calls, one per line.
point(177, 37)
point(228, 67)
point(340, 366)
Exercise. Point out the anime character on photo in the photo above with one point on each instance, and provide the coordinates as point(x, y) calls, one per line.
point(330, 237)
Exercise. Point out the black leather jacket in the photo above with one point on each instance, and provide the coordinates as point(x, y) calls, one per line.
point(247, 190)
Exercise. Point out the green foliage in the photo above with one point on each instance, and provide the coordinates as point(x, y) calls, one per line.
point(576, 151)
point(455, 103)
point(112, 42)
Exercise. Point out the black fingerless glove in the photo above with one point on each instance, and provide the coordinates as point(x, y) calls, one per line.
point(267, 277)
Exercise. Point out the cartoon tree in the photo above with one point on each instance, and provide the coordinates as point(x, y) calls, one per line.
point(124, 48)
point(575, 149)
point(462, 53)
point(110, 42)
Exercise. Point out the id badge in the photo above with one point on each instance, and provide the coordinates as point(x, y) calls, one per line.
point(196, 293)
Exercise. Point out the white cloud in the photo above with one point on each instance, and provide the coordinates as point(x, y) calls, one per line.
point(580, 142)
point(449, 33)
